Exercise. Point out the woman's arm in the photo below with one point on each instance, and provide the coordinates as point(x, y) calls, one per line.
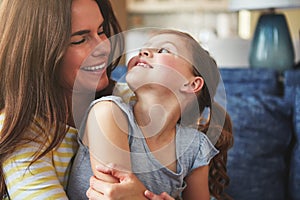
point(39, 180)
point(128, 185)
point(197, 184)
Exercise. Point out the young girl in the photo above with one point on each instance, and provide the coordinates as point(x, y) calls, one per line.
point(169, 139)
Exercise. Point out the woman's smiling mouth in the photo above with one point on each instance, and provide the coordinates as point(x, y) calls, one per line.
point(94, 68)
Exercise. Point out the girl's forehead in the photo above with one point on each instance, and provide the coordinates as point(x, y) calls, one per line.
point(178, 44)
point(166, 38)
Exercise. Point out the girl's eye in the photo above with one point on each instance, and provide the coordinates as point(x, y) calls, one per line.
point(163, 50)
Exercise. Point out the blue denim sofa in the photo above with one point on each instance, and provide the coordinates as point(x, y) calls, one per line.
point(264, 162)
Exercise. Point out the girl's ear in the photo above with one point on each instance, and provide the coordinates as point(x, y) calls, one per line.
point(193, 86)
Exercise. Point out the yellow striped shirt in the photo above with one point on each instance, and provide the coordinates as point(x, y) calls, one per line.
point(45, 178)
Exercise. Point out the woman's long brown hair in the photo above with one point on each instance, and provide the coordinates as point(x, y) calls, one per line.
point(34, 36)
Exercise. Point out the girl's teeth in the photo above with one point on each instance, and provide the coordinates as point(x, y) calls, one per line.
point(143, 65)
point(94, 68)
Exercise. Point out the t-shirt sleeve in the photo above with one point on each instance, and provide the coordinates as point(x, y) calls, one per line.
point(37, 181)
point(206, 152)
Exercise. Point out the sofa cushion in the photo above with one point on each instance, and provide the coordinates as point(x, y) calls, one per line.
point(118, 74)
point(292, 96)
point(262, 133)
point(240, 81)
point(294, 182)
point(291, 81)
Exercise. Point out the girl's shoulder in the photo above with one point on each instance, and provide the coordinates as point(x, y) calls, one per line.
point(124, 106)
point(190, 141)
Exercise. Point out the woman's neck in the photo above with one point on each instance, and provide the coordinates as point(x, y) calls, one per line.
point(79, 103)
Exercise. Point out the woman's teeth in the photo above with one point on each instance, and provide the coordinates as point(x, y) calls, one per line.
point(94, 68)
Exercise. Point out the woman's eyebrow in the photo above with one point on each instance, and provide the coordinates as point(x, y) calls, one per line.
point(81, 32)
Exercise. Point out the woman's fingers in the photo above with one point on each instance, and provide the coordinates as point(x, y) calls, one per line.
point(94, 195)
point(116, 173)
point(100, 186)
point(114, 183)
point(128, 185)
point(166, 196)
point(105, 175)
point(163, 196)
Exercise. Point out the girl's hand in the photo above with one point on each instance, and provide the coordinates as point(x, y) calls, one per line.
point(162, 196)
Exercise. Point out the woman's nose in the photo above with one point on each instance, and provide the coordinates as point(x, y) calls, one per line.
point(102, 47)
point(145, 52)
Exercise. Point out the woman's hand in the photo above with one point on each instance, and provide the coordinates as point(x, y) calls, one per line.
point(126, 185)
point(112, 183)
point(162, 196)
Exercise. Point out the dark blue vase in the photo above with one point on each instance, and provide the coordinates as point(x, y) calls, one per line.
point(272, 45)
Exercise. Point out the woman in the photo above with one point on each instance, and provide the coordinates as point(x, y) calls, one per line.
point(42, 46)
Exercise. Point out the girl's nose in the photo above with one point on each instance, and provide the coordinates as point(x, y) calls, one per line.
point(145, 52)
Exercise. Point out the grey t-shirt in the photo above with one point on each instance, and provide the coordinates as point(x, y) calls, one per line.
point(193, 149)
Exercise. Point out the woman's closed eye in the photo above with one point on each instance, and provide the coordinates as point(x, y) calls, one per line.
point(79, 37)
point(82, 36)
point(78, 41)
point(101, 30)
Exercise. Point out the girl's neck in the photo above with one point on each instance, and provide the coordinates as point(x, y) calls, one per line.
point(156, 114)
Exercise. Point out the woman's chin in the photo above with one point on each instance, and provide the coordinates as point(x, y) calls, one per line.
point(102, 84)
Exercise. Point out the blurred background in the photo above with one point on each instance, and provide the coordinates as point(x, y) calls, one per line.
point(225, 32)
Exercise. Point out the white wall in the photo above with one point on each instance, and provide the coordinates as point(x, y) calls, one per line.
point(228, 52)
